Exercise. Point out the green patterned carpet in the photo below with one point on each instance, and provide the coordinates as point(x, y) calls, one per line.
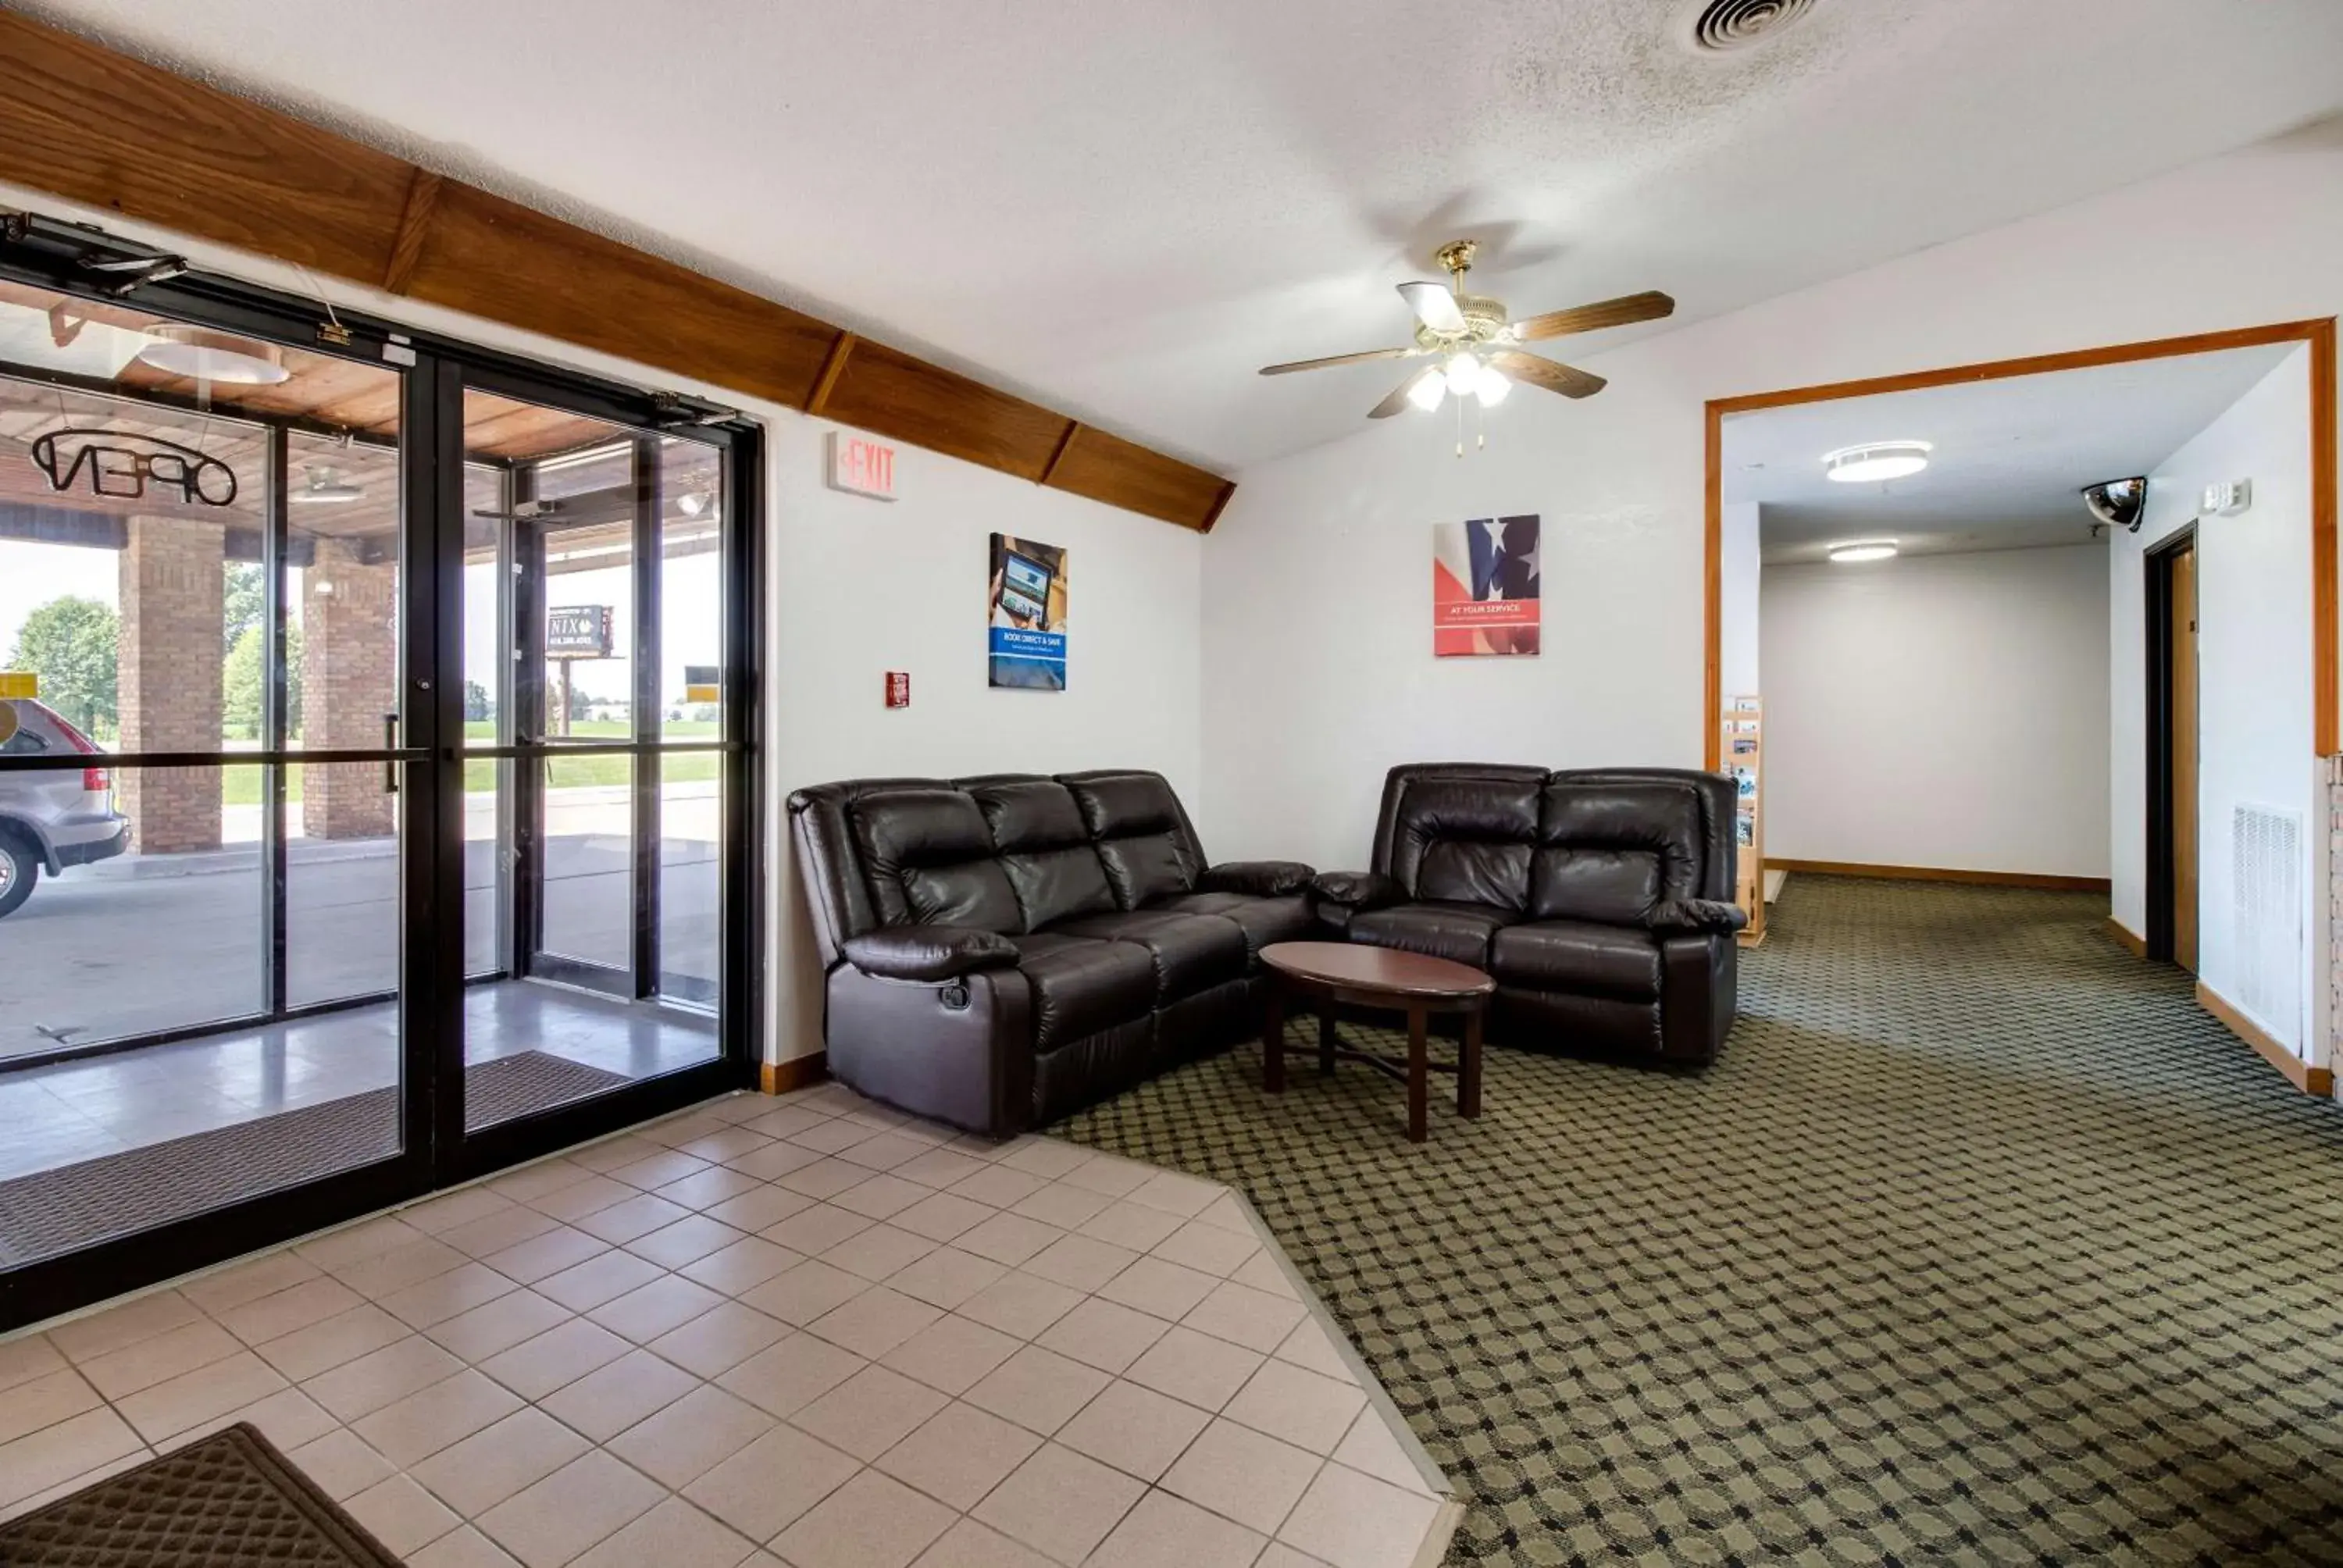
point(1980, 1244)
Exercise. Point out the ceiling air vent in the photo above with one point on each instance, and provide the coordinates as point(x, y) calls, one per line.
point(1721, 27)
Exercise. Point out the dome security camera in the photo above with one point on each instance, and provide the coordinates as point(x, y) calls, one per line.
point(2117, 503)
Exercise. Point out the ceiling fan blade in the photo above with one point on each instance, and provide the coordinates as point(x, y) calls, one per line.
point(1634, 308)
point(1433, 305)
point(1335, 359)
point(1397, 401)
point(1567, 380)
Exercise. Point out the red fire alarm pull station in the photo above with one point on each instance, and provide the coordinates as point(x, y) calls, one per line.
point(898, 689)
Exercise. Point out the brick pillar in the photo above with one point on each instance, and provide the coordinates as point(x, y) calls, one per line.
point(349, 679)
point(168, 663)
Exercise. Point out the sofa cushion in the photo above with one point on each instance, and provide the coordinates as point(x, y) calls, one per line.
point(1190, 952)
point(1045, 850)
point(1081, 985)
point(1460, 932)
point(1580, 956)
point(1613, 850)
point(1263, 920)
point(1143, 836)
point(929, 858)
point(1465, 840)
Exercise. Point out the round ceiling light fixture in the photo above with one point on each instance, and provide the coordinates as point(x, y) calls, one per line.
point(1857, 550)
point(200, 355)
point(1876, 460)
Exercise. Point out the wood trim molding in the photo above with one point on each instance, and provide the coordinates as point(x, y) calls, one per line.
point(1065, 445)
point(797, 1072)
point(2045, 880)
point(110, 131)
point(2130, 940)
point(1712, 612)
point(2306, 1076)
point(1228, 494)
point(2326, 644)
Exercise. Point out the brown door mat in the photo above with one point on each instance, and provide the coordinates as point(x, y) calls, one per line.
point(229, 1499)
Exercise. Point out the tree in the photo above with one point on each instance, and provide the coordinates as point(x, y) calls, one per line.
point(243, 598)
point(477, 708)
point(241, 675)
point(71, 643)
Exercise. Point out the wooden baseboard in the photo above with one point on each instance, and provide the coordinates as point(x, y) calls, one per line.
point(1945, 874)
point(2303, 1075)
point(797, 1072)
point(2130, 939)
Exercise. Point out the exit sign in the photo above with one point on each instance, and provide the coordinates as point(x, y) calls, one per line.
point(862, 467)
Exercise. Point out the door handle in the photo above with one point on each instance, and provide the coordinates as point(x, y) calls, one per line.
point(391, 743)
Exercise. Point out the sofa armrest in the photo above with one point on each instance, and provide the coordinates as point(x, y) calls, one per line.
point(927, 953)
point(1357, 890)
point(1705, 917)
point(1257, 879)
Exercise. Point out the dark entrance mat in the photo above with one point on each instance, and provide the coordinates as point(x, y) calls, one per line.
point(223, 1500)
point(52, 1211)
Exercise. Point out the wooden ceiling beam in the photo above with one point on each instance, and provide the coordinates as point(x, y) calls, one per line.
point(110, 131)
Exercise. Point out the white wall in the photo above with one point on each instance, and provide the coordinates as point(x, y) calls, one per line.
point(1318, 675)
point(1945, 712)
point(2253, 623)
point(1739, 575)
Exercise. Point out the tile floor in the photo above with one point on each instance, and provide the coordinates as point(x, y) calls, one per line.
point(805, 1331)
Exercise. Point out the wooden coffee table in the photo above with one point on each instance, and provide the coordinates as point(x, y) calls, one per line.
point(1334, 974)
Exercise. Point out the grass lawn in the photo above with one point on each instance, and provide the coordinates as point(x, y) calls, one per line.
point(241, 786)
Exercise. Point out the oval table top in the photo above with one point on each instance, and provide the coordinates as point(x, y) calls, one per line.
point(1359, 967)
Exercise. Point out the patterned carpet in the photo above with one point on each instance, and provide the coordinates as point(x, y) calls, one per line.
point(1980, 1244)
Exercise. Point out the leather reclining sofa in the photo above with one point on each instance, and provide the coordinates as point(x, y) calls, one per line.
point(1002, 951)
point(1599, 899)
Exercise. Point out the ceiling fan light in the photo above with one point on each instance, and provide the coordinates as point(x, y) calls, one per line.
point(1464, 374)
point(1875, 461)
point(1492, 386)
point(1427, 389)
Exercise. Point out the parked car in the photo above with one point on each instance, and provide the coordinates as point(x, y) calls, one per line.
point(52, 819)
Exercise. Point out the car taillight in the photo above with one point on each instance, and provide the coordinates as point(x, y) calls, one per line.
point(97, 780)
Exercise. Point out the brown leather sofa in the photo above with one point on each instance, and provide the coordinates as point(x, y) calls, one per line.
point(999, 951)
point(1598, 898)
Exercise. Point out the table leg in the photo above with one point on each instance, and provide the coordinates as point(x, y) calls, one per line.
point(1272, 1041)
point(1468, 1067)
point(1419, 1075)
point(1326, 1039)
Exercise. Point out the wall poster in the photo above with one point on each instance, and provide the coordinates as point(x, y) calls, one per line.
point(1027, 639)
point(1485, 588)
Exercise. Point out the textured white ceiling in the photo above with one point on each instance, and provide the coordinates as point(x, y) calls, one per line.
point(1124, 208)
point(2010, 455)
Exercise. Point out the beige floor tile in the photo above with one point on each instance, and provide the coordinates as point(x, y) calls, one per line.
point(799, 1295)
point(816, 1230)
point(578, 1506)
point(760, 1209)
point(1354, 1521)
point(509, 1226)
point(341, 1463)
point(548, 1252)
point(823, 1179)
point(368, 1383)
point(604, 1277)
point(1207, 1247)
point(1084, 1263)
point(675, 1534)
point(1305, 1408)
point(116, 1327)
point(882, 1196)
point(727, 1144)
point(792, 1374)
point(941, 1216)
point(657, 1171)
point(1110, 1175)
point(536, 1180)
point(1196, 1368)
point(401, 1514)
point(511, 1319)
point(149, 1362)
point(606, 1401)
point(869, 1413)
point(172, 1406)
point(47, 1401)
point(1242, 1315)
point(32, 1356)
point(574, 1201)
point(959, 1454)
point(1059, 1503)
point(710, 1188)
point(379, 1276)
point(1062, 1205)
point(771, 1160)
point(719, 1339)
point(320, 1348)
point(1176, 1194)
point(888, 1150)
point(1132, 1225)
point(1309, 1346)
point(968, 1544)
point(287, 1418)
point(1237, 1471)
point(57, 1457)
point(742, 1263)
point(1159, 1289)
point(1037, 1389)
point(1264, 1272)
point(481, 1471)
point(636, 1216)
point(947, 1277)
point(878, 1253)
point(556, 1358)
point(951, 1353)
point(438, 1216)
point(1371, 1446)
point(263, 1276)
point(1136, 1430)
point(998, 1186)
point(462, 1547)
point(273, 1316)
point(430, 1419)
point(938, 1168)
point(764, 1486)
point(1228, 1212)
point(687, 1240)
point(607, 1155)
point(1166, 1532)
point(872, 1522)
point(447, 1295)
point(691, 1436)
point(1102, 1334)
point(875, 1322)
point(650, 1310)
point(1020, 1304)
point(784, 1121)
point(351, 1244)
point(1048, 1158)
point(829, 1137)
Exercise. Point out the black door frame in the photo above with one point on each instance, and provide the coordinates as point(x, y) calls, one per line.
point(435, 1149)
point(2157, 564)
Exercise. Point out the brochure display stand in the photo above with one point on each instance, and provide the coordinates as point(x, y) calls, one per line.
point(1743, 750)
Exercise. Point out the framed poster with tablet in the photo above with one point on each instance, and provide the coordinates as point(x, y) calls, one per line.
point(1026, 637)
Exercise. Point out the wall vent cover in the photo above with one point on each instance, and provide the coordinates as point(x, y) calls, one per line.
point(1720, 26)
point(2265, 866)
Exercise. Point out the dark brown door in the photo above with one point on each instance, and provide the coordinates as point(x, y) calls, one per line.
point(2184, 758)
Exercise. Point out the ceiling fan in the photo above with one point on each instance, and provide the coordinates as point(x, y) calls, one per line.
point(1477, 345)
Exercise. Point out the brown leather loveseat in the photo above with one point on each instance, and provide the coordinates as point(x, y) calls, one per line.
point(999, 951)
